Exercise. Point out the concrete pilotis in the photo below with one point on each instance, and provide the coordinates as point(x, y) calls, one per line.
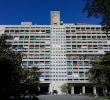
point(83, 89)
point(72, 90)
point(94, 90)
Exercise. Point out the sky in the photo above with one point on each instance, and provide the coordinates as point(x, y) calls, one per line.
point(38, 11)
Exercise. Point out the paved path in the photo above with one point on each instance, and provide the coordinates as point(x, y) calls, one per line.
point(65, 97)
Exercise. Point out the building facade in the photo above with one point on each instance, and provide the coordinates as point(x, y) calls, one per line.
point(62, 52)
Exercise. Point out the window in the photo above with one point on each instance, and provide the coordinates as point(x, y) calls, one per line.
point(80, 63)
point(31, 46)
point(30, 63)
point(81, 74)
point(24, 63)
point(86, 74)
point(26, 30)
point(11, 30)
point(86, 63)
point(20, 46)
point(77, 28)
point(16, 30)
point(83, 37)
point(32, 37)
point(69, 73)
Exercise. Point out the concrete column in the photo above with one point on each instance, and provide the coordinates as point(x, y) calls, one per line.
point(83, 89)
point(72, 90)
point(94, 90)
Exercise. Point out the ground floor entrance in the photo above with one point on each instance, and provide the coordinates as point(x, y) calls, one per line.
point(78, 88)
point(44, 88)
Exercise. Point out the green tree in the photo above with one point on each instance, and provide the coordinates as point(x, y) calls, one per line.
point(31, 79)
point(100, 73)
point(66, 88)
point(11, 70)
point(99, 8)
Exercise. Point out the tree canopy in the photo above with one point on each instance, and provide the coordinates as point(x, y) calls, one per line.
point(99, 8)
point(66, 88)
point(100, 72)
point(15, 79)
point(31, 80)
point(11, 70)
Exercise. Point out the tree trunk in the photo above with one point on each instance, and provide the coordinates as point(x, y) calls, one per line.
point(104, 92)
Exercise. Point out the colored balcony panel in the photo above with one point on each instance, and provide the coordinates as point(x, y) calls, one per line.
point(75, 63)
point(69, 69)
point(47, 54)
point(69, 64)
point(32, 37)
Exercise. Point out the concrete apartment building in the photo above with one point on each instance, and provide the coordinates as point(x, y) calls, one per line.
point(61, 51)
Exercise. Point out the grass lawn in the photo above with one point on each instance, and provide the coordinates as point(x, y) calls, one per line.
point(103, 97)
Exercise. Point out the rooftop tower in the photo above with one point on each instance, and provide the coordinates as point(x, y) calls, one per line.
point(55, 17)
